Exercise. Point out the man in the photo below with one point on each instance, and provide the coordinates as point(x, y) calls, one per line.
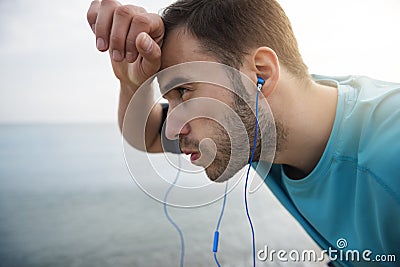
point(336, 162)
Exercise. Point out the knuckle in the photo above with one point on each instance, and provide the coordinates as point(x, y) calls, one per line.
point(140, 19)
point(137, 9)
point(130, 44)
point(101, 29)
point(108, 2)
point(91, 14)
point(91, 17)
point(156, 54)
point(141, 9)
point(116, 40)
point(123, 11)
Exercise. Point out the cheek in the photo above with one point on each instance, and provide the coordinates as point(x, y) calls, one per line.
point(203, 128)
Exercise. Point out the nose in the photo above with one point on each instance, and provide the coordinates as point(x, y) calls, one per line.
point(175, 125)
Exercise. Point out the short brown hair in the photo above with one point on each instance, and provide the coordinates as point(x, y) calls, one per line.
point(229, 28)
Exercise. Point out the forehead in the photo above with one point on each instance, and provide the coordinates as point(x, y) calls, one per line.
point(183, 61)
point(181, 47)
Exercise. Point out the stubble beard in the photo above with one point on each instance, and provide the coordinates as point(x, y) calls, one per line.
point(232, 151)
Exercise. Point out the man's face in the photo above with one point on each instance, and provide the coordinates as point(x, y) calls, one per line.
point(211, 140)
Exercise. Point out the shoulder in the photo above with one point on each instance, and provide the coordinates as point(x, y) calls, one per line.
point(378, 109)
point(370, 130)
point(375, 114)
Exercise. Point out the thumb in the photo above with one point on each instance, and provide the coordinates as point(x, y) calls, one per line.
point(151, 53)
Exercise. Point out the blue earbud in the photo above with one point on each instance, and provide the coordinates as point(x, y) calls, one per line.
point(260, 83)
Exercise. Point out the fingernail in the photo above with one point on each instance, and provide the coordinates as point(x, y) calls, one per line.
point(147, 43)
point(117, 56)
point(101, 44)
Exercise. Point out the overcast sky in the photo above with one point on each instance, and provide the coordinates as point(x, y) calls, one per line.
point(51, 71)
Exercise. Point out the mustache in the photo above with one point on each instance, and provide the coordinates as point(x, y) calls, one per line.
point(188, 144)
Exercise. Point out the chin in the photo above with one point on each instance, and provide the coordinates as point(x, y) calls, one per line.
point(220, 175)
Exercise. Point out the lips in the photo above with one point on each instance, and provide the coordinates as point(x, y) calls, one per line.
point(194, 155)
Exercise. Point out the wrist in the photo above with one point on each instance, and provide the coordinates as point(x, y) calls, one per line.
point(128, 87)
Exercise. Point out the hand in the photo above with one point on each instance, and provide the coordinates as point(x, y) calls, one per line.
point(132, 36)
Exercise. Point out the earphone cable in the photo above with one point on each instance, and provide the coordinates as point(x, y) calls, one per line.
point(247, 178)
point(167, 215)
point(216, 233)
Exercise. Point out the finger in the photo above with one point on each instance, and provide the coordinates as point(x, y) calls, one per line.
point(156, 28)
point(92, 14)
point(151, 53)
point(104, 22)
point(119, 31)
point(151, 24)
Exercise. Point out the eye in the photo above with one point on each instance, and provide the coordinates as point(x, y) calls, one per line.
point(181, 91)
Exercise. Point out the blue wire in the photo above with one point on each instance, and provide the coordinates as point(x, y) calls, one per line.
point(223, 204)
point(247, 178)
point(216, 260)
point(218, 224)
point(167, 215)
point(223, 207)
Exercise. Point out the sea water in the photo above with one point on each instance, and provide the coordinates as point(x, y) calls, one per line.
point(67, 199)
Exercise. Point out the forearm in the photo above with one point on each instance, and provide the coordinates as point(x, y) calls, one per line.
point(139, 119)
point(113, 23)
point(125, 97)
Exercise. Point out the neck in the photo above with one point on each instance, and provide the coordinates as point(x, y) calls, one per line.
point(306, 112)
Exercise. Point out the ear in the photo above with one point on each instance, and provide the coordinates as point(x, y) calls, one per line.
point(265, 64)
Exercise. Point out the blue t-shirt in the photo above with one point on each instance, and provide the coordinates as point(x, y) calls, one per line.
point(351, 200)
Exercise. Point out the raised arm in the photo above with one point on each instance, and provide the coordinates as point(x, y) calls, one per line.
point(133, 38)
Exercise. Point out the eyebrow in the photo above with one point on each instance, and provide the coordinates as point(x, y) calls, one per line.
point(176, 81)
